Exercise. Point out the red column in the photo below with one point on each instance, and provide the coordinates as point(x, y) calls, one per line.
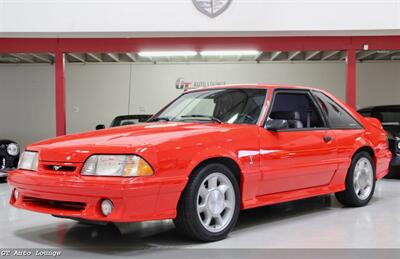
point(351, 83)
point(60, 94)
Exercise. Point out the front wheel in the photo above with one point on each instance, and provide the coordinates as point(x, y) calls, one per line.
point(360, 181)
point(209, 206)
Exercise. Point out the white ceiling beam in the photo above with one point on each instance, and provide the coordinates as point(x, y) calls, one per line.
point(275, 55)
point(343, 55)
point(132, 56)
point(383, 55)
point(293, 54)
point(95, 57)
point(311, 54)
point(41, 57)
point(21, 57)
point(114, 57)
point(79, 57)
point(261, 56)
point(365, 54)
point(328, 54)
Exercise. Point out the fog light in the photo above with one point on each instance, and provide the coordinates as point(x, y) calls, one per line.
point(106, 207)
point(16, 194)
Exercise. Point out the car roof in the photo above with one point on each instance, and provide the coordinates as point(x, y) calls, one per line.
point(261, 86)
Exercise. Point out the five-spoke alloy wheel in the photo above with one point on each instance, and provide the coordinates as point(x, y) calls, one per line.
point(215, 202)
point(360, 181)
point(363, 178)
point(209, 206)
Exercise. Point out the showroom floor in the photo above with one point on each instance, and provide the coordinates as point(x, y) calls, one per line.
point(314, 223)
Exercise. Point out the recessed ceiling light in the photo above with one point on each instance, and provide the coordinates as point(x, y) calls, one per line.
point(167, 53)
point(229, 52)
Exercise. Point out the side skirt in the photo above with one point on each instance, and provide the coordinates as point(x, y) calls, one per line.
point(275, 198)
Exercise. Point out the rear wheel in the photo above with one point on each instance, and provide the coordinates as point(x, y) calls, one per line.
point(209, 206)
point(360, 181)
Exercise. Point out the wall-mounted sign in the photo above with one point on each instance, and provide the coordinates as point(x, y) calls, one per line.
point(212, 8)
point(181, 84)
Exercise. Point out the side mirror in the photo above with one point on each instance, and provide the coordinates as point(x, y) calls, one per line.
point(100, 126)
point(275, 125)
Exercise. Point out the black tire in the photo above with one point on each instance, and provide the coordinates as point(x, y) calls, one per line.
point(188, 221)
point(349, 197)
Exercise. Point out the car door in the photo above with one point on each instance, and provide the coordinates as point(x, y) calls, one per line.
point(301, 156)
point(346, 128)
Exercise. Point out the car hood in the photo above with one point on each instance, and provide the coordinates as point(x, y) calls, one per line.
point(120, 140)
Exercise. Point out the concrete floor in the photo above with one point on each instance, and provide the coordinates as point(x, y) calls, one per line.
point(313, 223)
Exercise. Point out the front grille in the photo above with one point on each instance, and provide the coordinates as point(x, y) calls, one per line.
point(52, 204)
point(50, 167)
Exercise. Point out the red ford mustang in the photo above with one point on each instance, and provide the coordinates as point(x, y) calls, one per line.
point(205, 156)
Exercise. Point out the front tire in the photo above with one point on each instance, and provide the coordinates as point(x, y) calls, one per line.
point(209, 206)
point(360, 181)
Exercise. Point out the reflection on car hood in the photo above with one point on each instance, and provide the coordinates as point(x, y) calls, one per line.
point(126, 139)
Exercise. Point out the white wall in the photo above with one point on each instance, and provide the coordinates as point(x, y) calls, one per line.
point(27, 106)
point(378, 83)
point(157, 82)
point(96, 93)
point(101, 18)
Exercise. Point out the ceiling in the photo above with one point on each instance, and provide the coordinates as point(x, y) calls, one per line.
point(283, 56)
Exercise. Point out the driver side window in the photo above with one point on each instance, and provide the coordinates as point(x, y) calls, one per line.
point(298, 109)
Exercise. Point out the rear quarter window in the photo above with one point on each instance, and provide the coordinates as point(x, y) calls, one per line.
point(337, 116)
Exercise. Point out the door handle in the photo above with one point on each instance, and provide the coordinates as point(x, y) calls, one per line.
point(327, 138)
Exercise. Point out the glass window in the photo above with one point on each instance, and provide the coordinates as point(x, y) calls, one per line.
point(386, 115)
point(235, 106)
point(338, 117)
point(298, 109)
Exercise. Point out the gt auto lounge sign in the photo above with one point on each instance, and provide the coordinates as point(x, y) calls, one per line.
point(182, 84)
point(212, 8)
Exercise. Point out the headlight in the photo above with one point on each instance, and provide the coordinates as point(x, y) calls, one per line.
point(29, 161)
point(398, 145)
point(116, 165)
point(12, 149)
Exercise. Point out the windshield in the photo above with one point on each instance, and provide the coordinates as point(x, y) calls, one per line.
point(234, 106)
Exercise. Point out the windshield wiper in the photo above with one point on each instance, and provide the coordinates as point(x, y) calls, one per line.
point(202, 116)
point(159, 119)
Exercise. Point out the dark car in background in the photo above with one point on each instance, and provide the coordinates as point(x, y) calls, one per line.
point(389, 115)
point(9, 156)
point(124, 120)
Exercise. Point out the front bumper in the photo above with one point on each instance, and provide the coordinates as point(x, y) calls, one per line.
point(75, 196)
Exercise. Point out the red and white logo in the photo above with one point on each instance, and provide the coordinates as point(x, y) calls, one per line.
point(181, 84)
